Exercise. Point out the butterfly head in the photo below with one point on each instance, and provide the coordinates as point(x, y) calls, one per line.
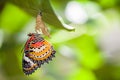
point(33, 34)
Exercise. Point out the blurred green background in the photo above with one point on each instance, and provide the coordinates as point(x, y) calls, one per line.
point(90, 52)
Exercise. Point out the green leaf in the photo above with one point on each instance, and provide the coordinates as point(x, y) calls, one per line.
point(33, 7)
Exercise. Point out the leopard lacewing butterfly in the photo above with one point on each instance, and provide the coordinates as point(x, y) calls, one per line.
point(37, 51)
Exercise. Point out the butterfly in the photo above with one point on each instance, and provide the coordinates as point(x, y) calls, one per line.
point(37, 51)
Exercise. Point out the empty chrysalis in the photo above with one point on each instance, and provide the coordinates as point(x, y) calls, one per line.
point(40, 25)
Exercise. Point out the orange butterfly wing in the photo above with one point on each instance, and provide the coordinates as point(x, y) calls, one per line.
point(37, 51)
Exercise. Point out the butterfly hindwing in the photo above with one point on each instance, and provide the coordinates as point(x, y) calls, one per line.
point(28, 66)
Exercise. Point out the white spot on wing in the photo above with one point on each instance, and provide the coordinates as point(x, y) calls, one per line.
point(28, 60)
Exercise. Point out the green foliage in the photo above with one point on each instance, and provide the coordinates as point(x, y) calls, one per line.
point(13, 16)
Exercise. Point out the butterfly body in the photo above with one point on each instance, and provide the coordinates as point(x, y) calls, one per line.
point(37, 51)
